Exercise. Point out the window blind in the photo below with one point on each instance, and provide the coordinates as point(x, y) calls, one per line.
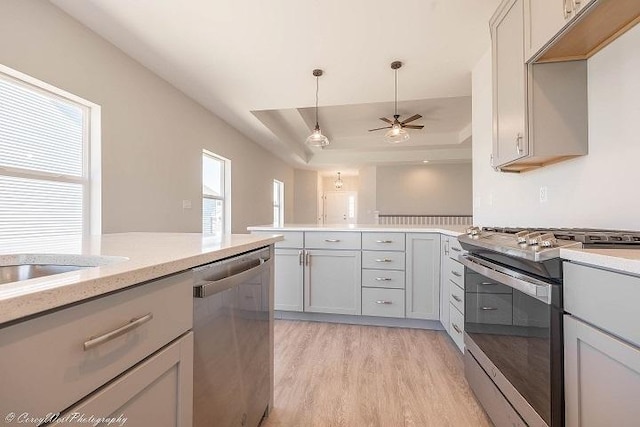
point(43, 177)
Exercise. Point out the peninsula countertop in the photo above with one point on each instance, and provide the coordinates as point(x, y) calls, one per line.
point(449, 230)
point(124, 260)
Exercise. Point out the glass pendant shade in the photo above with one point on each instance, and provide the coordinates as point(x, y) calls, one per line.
point(317, 139)
point(396, 135)
point(338, 182)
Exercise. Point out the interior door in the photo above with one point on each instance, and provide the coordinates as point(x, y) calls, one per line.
point(340, 207)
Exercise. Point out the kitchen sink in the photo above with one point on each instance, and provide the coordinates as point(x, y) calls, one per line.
point(16, 273)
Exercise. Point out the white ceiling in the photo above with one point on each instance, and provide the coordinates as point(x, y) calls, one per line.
point(250, 63)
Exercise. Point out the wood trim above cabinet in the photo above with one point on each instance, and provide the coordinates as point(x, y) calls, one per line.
point(602, 22)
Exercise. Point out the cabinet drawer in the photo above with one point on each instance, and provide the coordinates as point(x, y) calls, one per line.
point(494, 309)
point(49, 350)
point(603, 298)
point(382, 302)
point(383, 279)
point(383, 241)
point(292, 239)
point(456, 296)
point(456, 327)
point(477, 283)
point(454, 248)
point(456, 272)
point(383, 260)
point(332, 240)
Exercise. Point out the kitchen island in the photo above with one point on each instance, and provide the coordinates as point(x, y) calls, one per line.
point(114, 339)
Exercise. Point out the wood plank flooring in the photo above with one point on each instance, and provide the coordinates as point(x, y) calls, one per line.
point(349, 375)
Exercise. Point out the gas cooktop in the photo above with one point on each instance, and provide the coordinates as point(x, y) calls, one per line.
point(540, 244)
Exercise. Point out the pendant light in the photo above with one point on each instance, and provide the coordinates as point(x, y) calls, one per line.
point(338, 183)
point(396, 134)
point(317, 139)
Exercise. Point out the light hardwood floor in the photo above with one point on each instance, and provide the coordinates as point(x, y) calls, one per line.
point(349, 375)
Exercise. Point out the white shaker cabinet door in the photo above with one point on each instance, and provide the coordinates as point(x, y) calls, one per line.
point(289, 273)
point(332, 281)
point(444, 282)
point(602, 378)
point(543, 20)
point(423, 276)
point(157, 392)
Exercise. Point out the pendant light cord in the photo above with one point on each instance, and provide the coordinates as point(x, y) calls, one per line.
point(317, 88)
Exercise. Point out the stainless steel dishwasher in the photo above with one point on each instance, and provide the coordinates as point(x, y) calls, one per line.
point(233, 350)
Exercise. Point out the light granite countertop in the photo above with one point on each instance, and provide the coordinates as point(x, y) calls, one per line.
point(449, 230)
point(123, 260)
point(622, 260)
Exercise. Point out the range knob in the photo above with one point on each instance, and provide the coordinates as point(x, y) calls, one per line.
point(473, 231)
point(521, 236)
point(532, 238)
point(547, 240)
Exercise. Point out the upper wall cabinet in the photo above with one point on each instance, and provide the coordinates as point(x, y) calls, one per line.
point(539, 110)
point(566, 30)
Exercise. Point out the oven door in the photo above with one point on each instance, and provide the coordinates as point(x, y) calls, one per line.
point(513, 328)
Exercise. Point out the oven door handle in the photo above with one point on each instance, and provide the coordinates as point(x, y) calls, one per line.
point(534, 288)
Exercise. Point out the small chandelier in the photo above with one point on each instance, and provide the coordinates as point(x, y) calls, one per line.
point(317, 139)
point(338, 183)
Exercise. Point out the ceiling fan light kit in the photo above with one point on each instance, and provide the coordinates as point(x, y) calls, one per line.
point(397, 132)
point(317, 139)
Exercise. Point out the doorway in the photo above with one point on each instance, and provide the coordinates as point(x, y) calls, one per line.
point(340, 207)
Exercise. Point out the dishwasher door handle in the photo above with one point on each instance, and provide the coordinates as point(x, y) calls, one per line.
point(216, 286)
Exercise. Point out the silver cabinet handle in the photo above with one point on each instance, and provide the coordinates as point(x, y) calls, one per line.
point(384, 260)
point(457, 328)
point(488, 308)
point(518, 141)
point(384, 241)
point(101, 339)
point(332, 240)
point(566, 9)
point(453, 248)
point(488, 284)
point(380, 301)
point(307, 259)
point(383, 279)
point(446, 247)
point(457, 298)
point(300, 257)
point(455, 273)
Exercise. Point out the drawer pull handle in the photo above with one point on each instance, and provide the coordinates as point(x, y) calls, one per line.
point(457, 328)
point(457, 298)
point(488, 308)
point(453, 248)
point(384, 260)
point(384, 241)
point(455, 273)
point(488, 284)
point(101, 339)
point(332, 240)
point(380, 301)
point(383, 279)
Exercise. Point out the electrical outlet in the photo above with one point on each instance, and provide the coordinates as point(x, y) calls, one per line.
point(544, 194)
point(186, 204)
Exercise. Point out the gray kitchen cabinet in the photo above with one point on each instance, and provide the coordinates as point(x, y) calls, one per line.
point(332, 281)
point(445, 250)
point(147, 394)
point(602, 377)
point(423, 276)
point(80, 349)
point(539, 110)
point(289, 276)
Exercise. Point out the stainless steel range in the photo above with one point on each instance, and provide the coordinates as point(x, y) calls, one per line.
point(513, 318)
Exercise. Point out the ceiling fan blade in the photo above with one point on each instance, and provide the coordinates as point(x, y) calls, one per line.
point(413, 126)
point(384, 119)
point(412, 118)
point(388, 127)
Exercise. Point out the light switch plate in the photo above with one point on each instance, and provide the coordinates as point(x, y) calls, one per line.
point(544, 194)
point(186, 204)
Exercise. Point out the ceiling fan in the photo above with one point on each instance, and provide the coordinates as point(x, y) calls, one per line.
point(397, 132)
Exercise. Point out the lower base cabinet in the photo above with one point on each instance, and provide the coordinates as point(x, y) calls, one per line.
point(602, 377)
point(423, 276)
point(146, 394)
point(456, 326)
point(332, 281)
point(289, 273)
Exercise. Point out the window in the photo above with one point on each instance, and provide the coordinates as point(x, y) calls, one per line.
point(47, 188)
point(278, 203)
point(215, 190)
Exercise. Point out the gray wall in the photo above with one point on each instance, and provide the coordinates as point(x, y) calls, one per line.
point(305, 198)
point(152, 134)
point(433, 189)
